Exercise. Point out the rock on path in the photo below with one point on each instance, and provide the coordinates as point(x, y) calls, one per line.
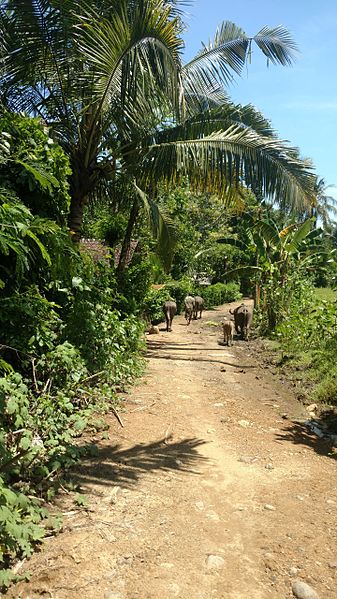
point(302, 590)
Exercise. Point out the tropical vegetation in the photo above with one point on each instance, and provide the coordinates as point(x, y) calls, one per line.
point(128, 176)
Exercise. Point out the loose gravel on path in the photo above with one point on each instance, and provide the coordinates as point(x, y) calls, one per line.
point(212, 489)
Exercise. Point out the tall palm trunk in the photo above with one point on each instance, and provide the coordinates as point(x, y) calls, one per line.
point(81, 184)
point(128, 235)
point(75, 219)
point(314, 215)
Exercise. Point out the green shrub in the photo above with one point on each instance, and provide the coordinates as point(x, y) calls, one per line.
point(178, 290)
point(220, 293)
point(326, 390)
point(107, 340)
point(29, 326)
point(19, 528)
point(133, 285)
point(37, 169)
point(63, 364)
point(153, 305)
point(36, 442)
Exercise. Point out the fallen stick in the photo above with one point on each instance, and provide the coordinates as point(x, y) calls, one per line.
point(92, 376)
point(115, 413)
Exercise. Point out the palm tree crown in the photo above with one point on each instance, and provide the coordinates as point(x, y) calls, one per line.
point(108, 78)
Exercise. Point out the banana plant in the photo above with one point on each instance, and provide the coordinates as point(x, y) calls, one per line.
point(279, 251)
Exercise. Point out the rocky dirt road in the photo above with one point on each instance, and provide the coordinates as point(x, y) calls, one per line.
point(211, 489)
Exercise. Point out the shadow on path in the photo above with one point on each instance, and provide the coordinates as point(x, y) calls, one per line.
point(162, 351)
point(114, 465)
point(195, 359)
point(300, 434)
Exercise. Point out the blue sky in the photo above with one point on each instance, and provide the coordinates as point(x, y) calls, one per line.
point(301, 100)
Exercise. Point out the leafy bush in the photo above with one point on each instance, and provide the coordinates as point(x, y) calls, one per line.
point(108, 341)
point(134, 284)
point(37, 441)
point(35, 167)
point(220, 293)
point(286, 309)
point(326, 390)
point(19, 528)
point(178, 290)
point(29, 325)
point(307, 334)
point(304, 321)
point(153, 305)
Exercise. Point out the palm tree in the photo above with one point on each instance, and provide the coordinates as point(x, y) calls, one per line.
point(323, 206)
point(109, 80)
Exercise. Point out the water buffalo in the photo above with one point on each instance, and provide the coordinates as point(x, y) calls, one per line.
point(243, 317)
point(189, 308)
point(228, 331)
point(198, 306)
point(169, 309)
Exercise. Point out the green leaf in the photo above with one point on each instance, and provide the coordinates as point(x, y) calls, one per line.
point(42, 248)
point(25, 443)
point(45, 179)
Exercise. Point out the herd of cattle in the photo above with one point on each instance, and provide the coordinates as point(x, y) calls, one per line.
point(194, 306)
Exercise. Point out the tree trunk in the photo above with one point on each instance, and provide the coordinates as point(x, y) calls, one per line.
point(81, 184)
point(257, 290)
point(127, 237)
point(75, 219)
point(257, 295)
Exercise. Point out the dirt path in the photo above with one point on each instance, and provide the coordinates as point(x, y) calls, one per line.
point(207, 492)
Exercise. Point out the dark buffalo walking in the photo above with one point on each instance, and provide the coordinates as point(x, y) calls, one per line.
point(198, 306)
point(243, 317)
point(170, 310)
point(189, 303)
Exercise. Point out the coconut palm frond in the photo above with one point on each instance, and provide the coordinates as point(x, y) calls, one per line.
point(216, 61)
point(36, 41)
point(134, 48)
point(162, 228)
point(277, 45)
point(219, 118)
point(226, 54)
point(227, 159)
point(131, 55)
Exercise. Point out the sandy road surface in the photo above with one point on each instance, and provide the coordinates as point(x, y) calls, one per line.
point(207, 492)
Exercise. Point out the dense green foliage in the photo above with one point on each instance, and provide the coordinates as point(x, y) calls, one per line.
point(307, 338)
point(65, 347)
point(220, 293)
point(33, 168)
point(214, 295)
point(148, 156)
